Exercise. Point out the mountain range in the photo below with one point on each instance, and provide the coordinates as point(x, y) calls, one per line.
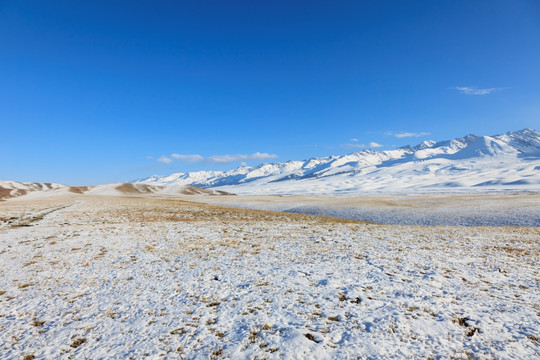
point(499, 163)
point(471, 163)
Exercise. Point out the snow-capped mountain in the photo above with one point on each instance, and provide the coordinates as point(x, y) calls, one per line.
point(473, 163)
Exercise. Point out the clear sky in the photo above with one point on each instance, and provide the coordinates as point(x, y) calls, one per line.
point(108, 91)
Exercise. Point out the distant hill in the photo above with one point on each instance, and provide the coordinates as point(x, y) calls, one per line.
point(13, 189)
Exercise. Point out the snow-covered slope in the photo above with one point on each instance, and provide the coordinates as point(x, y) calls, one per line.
point(472, 163)
point(10, 189)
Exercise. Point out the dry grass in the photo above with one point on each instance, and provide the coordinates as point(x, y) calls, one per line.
point(128, 189)
point(311, 337)
point(461, 321)
point(420, 201)
point(37, 323)
point(155, 210)
point(29, 220)
point(79, 189)
point(517, 252)
point(78, 342)
point(464, 322)
point(5, 193)
point(183, 211)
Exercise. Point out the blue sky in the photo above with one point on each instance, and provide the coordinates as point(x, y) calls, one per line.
point(108, 91)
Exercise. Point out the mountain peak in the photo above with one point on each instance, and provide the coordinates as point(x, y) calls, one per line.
point(526, 131)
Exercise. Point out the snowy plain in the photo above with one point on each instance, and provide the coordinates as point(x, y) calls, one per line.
point(455, 209)
point(87, 276)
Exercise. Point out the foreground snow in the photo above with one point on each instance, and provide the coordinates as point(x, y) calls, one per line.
point(132, 278)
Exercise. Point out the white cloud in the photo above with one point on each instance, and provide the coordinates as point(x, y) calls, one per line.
point(471, 90)
point(353, 146)
point(216, 159)
point(362, 146)
point(411, 134)
point(223, 159)
point(188, 158)
point(401, 135)
point(354, 140)
point(164, 159)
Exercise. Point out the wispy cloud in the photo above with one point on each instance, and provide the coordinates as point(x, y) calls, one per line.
point(411, 134)
point(472, 90)
point(371, 145)
point(188, 158)
point(164, 159)
point(401, 135)
point(215, 159)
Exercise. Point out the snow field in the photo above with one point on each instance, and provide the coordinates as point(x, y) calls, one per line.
point(146, 278)
point(511, 209)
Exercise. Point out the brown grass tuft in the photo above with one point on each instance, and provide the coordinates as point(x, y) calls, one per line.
point(78, 342)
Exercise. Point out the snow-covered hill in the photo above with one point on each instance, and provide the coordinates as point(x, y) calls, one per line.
point(10, 189)
point(472, 163)
point(14, 189)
